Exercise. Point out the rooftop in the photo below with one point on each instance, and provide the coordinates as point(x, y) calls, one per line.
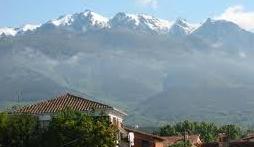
point(194, 139)
point(60, 103)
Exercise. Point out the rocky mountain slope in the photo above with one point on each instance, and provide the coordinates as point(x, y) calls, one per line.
point(154, 69)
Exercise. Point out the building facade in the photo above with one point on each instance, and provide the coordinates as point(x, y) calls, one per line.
point(143, 139)
point(46, 109)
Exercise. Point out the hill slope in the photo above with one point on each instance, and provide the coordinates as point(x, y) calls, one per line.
point(154, 70)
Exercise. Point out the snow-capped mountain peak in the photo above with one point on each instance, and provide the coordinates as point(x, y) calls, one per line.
point(29, 27)
point(81, 21)
point(62, 20)
point(8, 31)
point(140, 22)
point(155, 23)
point(96, 19)
point(124, 19)
point(182, 28)
point(89, 20)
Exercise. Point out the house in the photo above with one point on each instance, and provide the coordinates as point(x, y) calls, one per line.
point(46, 109)
point(223, 141)
point(193, 139)
point(248, 138)
point(247, 141)
point(230, 144)
point(143, 139)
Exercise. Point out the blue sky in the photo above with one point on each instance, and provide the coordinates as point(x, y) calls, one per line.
point(14, 13)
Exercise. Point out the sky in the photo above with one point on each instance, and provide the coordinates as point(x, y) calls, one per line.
point(14, 13)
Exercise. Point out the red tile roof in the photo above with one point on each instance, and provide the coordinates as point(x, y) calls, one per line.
point(194, 139)
point(168, 140)
point(144, 133)
point(62, 102)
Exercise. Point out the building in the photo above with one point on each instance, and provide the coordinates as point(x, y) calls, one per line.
point(248, 138)
point(223, 141)
point(143, 139)
point(46, 109)
point(193, 139)
point(247, 141)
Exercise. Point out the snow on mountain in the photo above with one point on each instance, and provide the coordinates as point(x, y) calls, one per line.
point(28, 27)
point(8, 31)
point(155, 23)
point(81, 21)
point(139, 22)
point(14, 31)
point(62, 20)
point(124, 20)
point(182, 28)
point(96, 19)
point(89, 20)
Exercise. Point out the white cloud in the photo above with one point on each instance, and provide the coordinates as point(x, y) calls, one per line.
point(149, 3)
point(239, 15)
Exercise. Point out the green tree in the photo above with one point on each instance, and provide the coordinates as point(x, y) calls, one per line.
point(76, 129)
point(182, 144)
point(168, 130)
point(3, 126)
point(207, 131)
point(232, 131)
point(179, 128)
point(19, 130)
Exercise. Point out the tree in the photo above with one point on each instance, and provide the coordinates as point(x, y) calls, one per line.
point(168, 130)
point(3, 126)
point(76, 129)
point(179, 128)
point(20, 130)
point(68, 128)
point(232, 131)
point(207, 131)
point(182, 144)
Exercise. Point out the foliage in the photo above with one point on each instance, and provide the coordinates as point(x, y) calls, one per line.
point(182, 144)
point(19, 130)
point(75, 129)
point(68, 128)
point(208, 131)
point(3, 126)
point(232, 131)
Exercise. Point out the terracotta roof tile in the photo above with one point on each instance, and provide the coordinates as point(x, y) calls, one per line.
point(194, 139)
point(62, 102)
point(144, 133)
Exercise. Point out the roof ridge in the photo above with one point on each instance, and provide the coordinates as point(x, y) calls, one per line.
point(94, 101)
point(58, 103)
point(38, 103)
point(142, 132)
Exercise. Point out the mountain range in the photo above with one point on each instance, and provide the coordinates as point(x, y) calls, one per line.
point(156, 70)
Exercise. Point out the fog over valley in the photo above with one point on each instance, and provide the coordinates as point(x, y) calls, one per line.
point(154, 70)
